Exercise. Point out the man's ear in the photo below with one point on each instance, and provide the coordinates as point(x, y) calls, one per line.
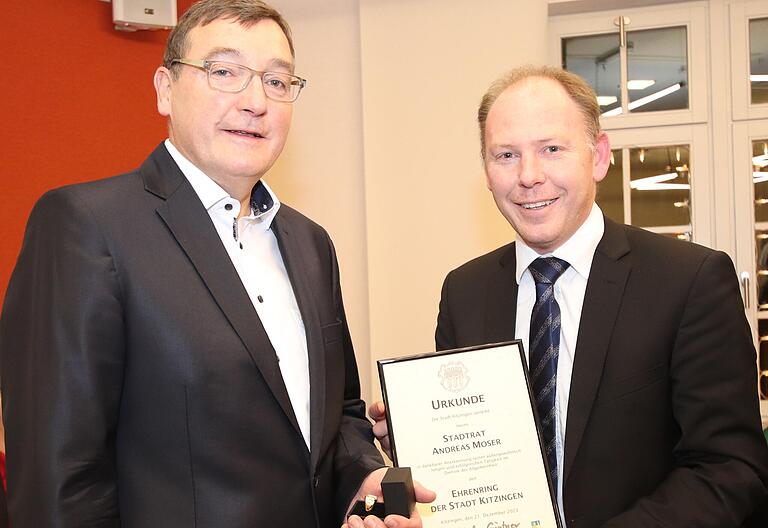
point(602, 157)
point(162, 83)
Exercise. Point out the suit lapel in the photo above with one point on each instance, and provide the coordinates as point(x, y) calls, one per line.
point(293, 257)
point(501, 295)
point(602, 301)
point(191, 226)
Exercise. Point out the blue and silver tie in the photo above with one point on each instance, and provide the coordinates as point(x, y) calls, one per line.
point(544, 344)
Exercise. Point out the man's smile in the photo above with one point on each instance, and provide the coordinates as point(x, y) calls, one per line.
point(537, 205)
point(246, 133)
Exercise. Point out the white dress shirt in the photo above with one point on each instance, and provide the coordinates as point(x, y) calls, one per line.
point(578, 251)
point(253, 249)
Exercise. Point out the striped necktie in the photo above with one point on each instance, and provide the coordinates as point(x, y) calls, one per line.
point(544, 344)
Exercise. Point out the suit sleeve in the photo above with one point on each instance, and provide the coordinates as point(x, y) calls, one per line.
point(356, 455)
point(721, 458)
point(61, 369)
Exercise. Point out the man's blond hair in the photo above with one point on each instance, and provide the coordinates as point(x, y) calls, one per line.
point(577, 89)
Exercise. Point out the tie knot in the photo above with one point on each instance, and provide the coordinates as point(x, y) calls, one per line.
point(547, 269)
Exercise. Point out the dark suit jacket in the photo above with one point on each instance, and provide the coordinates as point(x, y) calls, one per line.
point(663, 423)
point(139, 386)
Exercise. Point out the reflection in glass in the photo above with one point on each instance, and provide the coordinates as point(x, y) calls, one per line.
point(596, 58)
point(762, 269)
point(762, 331)
point(760, 181)
point(762, 355)
point(758, 59)
point(610, 191)
point(660, 186)
point(659, 58)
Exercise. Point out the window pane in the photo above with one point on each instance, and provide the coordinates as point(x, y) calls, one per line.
point(610, 191)
point(760, 181)
point(596, 58)
point(657, 69)
point(762, 269)
point(660, 182)
point(762, 330)
point(758, 59)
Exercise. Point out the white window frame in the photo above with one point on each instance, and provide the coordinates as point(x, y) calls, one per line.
point(692, 15)
point(740, 14)
point(744, 133)
point(702, 221)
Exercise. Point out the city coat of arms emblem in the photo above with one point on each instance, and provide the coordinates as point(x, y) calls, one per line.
point(454, 376)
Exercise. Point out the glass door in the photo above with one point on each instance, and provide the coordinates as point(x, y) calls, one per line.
point(750, 141)
point(663, 186)
point(647, 66)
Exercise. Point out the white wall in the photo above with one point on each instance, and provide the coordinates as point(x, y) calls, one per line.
point(384, 149)
point(321, 170)
point(425, 66)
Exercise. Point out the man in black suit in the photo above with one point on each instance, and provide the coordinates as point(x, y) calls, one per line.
point(174, 346)
point(654, 416)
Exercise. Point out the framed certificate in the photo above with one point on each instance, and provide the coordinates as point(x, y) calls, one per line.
point(464, 421)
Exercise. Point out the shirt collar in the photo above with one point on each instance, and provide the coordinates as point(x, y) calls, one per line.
point(578, 250)
point(264, 202)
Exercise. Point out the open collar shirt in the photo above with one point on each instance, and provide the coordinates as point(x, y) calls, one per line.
point(253, 249)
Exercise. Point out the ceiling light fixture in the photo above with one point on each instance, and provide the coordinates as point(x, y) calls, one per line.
point(657, 95)
point(665, 187)
point(640, 84)
point(758, 177)
point(651, 180)
point(605, 100)
point(645, 100)
point(758, 78)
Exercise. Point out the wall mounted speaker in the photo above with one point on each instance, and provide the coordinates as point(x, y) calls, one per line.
point(131, 15)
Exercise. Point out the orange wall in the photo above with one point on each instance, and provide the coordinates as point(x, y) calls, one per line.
point(76, 101)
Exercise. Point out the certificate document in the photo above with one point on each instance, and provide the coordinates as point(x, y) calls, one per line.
point(463, 421)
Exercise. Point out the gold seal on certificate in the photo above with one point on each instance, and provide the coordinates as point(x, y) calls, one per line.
point(464, 421)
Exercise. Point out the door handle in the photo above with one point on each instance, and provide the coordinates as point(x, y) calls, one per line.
point(745, 288)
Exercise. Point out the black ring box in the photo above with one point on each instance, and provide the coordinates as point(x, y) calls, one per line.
point(399, 498)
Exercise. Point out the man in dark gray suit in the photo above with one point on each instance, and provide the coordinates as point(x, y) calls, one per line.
point(174, 346)
point(649, 408)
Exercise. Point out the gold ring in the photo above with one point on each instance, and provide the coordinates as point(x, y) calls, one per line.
point(370, 500)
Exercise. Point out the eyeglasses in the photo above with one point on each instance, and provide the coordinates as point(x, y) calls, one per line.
point(233, 78)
